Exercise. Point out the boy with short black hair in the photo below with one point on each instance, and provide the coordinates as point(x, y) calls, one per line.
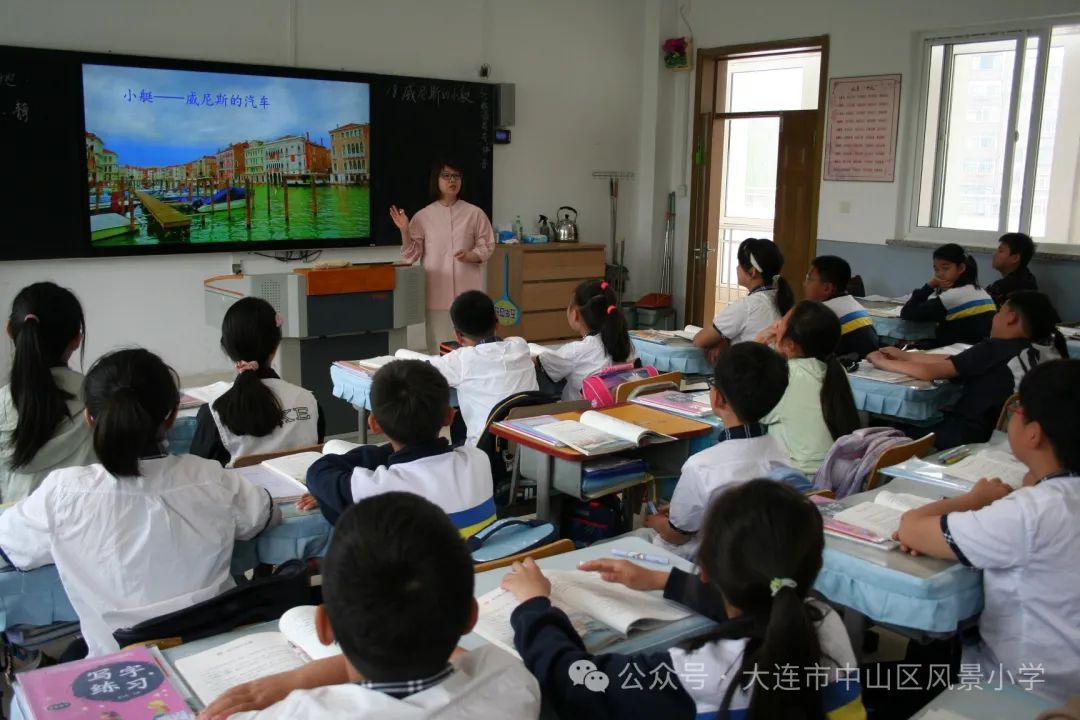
point(749, 379)
point(398, 589)
point(410, 403)
point(486, 369)
point(1025, 541)
point(1011, 259)
point(827, 281)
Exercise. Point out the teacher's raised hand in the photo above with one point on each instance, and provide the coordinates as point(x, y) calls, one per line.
point(401, 220)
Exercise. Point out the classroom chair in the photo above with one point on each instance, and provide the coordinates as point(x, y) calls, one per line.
point(898, 454)
point(1006, 412)
point(556, 548)
point(627, 391)
point(261, 600)
point(856, 287)
point(249, 460)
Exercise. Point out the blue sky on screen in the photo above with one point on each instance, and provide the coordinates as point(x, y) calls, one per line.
point(171, 129)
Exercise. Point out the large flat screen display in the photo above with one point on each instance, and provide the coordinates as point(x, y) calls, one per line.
point(207, 159)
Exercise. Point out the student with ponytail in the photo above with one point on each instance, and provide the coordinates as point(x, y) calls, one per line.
point(767, 621)
point(260, 412)
point(1023, 334)
point(41, 427)
point(605, 339)
point(817, 407)
point(759, 262)
point(953, 299)
point(140, 533)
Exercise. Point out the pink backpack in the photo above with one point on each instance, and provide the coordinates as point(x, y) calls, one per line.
point(599, 388)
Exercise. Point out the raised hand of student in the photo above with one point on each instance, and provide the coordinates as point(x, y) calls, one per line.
point(307, 502)
point(526, 581)
point(627, 573)
point(713, 353)
point(770, 335)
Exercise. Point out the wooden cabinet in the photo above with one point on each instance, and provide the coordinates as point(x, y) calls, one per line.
point(540, 280)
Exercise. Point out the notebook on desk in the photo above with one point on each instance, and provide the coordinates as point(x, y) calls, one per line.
point(295, 643)
point(285, 477)
point(597, 433)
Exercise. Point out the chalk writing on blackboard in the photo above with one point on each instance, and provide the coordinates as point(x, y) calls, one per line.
point(430, 93)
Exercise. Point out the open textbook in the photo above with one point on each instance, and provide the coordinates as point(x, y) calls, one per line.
point(211, 672)
point(285, 477)
point(666, 337)
point(882, 516)
point(597, 433)
point(989, 463)
point(600, 611)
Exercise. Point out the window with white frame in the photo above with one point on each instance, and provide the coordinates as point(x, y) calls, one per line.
point(999, 136)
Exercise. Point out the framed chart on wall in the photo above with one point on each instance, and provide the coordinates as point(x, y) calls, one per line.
point(861, 128)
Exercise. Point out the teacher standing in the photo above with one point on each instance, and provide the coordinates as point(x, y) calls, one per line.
point(453, 239)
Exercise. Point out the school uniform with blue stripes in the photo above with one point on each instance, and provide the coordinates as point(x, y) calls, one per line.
point(456, 479)
point(963, 314)
point(857, 333)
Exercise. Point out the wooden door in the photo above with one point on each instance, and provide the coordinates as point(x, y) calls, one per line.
point(797, 187)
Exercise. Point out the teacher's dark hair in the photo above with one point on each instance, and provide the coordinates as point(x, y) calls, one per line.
point(436, 169)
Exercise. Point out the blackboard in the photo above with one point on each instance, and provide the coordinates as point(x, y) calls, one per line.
point(43, 182)
point(43, 174)
point(420, 122)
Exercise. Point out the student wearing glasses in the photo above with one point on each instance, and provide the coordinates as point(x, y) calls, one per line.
point(453, 239)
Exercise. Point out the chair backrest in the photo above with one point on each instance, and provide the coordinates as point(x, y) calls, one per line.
point(1003, 418)
point(261, 600)
point(249, 460)
point(856, 287)
point(556, 548)
point(644, 386)
point(898, 454)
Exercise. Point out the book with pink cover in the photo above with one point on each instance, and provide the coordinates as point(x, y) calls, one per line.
point(127, 685)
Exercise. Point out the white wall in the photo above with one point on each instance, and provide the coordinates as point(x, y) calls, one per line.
point(577, 65)
point(866, 37)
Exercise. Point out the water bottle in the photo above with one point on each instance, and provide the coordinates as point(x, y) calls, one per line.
point(519, 229)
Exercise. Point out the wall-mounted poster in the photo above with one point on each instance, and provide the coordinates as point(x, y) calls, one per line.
point(860, 138)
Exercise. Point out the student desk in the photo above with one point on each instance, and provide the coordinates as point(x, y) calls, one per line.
point(1072, 340)
point(354, 387)
point(930, 470)
point(655, 640)
point(889, 325)
point(918, 401)
point(1011, 702)
point(559, 469)
point(921, 595)
point(680, 355)
point(37, 597)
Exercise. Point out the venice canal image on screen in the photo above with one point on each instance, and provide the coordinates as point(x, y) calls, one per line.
point(180, 156)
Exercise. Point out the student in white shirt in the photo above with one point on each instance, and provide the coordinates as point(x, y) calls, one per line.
point(1025, 541)
point(410, 404)
point(605, 341)
point(141, 534)
point(398, 592)
point(486, 369)
point(761, 551)
point(41, 425)
point(260, 412)
point(748, 382)
point(758, 266)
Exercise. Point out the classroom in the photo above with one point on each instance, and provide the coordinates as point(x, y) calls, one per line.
point(540, 358)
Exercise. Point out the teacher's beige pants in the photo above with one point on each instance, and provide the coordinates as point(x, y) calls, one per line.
point(438, 328)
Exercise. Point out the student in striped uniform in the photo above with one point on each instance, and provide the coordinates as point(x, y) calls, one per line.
point(953, 299)
point(827, 281)
point(1024, 334)
point(410, 403)
point(761, 598)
